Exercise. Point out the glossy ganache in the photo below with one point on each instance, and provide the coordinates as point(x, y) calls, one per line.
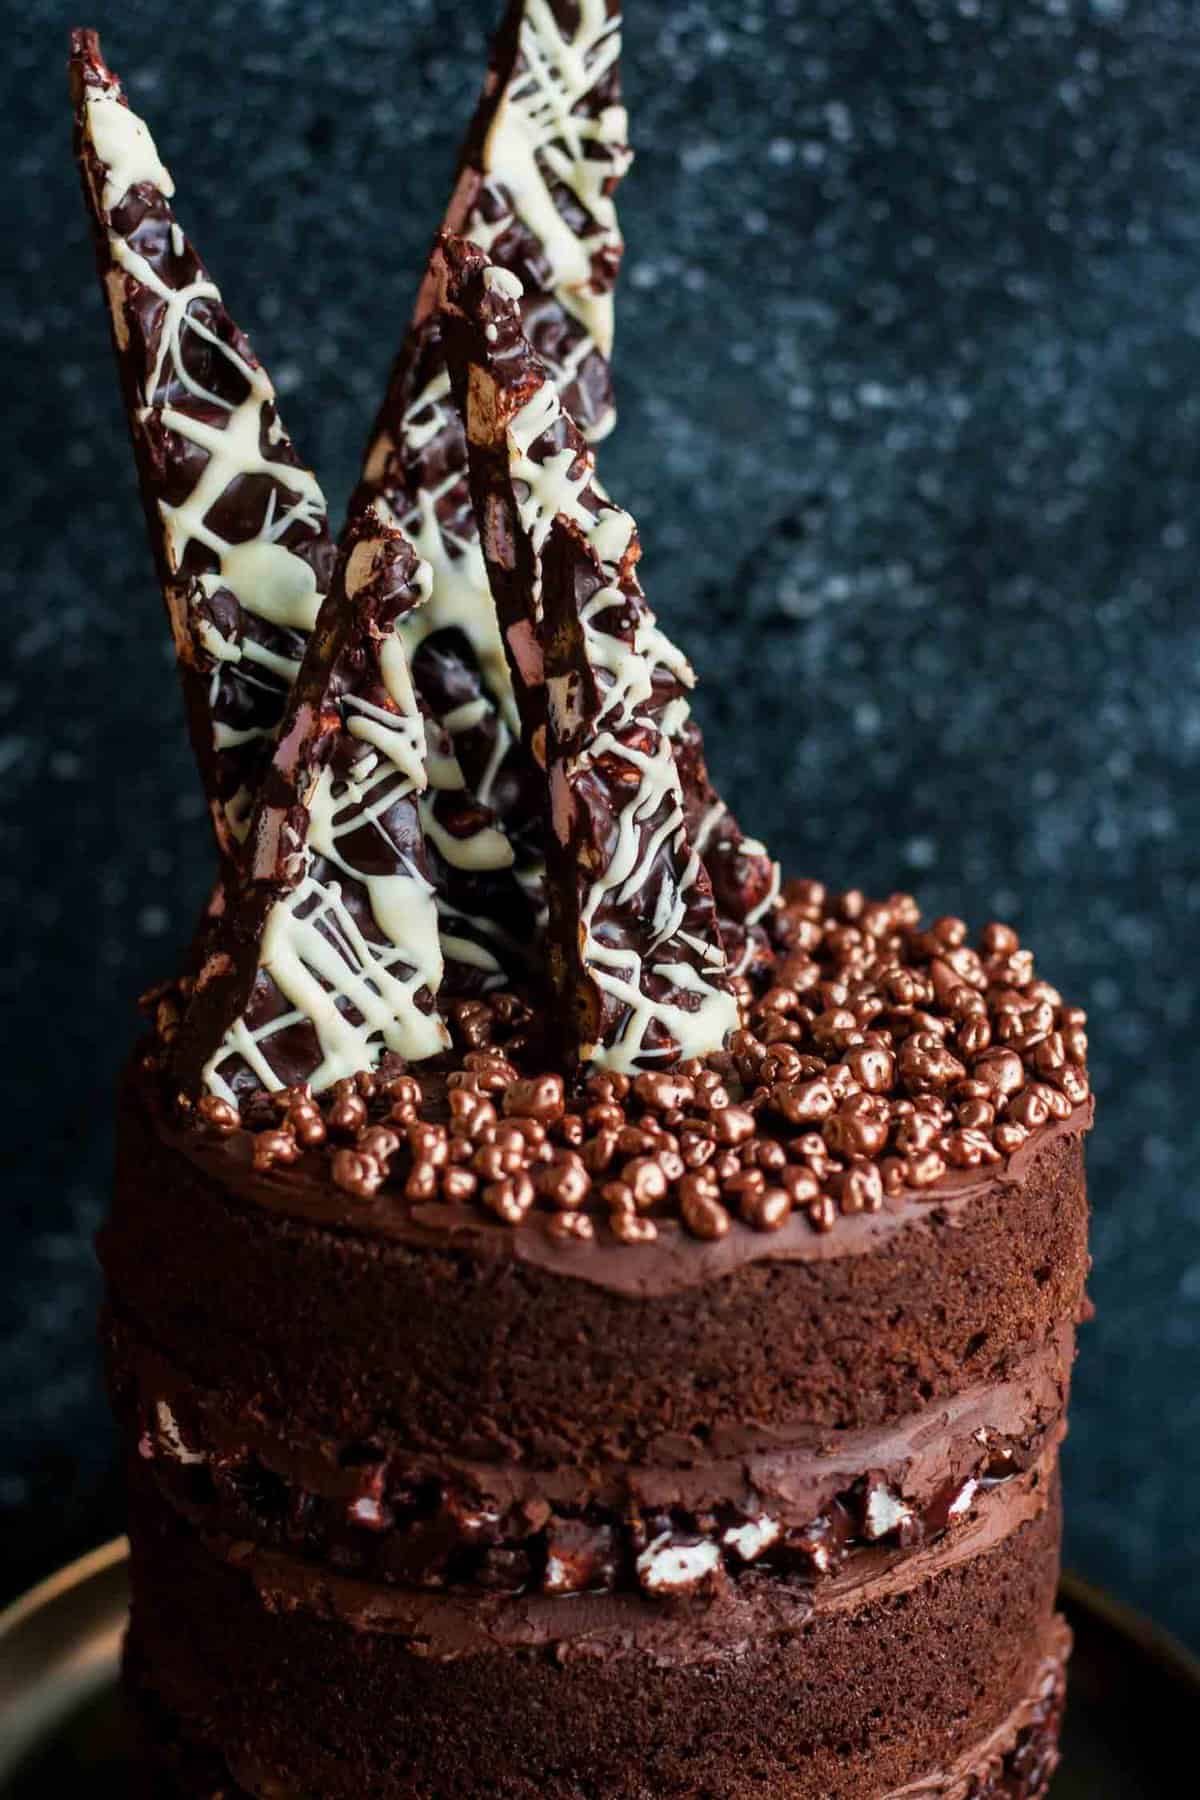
point(538, 1467)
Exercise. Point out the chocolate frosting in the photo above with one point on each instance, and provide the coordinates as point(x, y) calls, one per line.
point(672, 1263)
point(446, 1626)
point(808, 1505)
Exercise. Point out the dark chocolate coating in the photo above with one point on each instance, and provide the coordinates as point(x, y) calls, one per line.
point(246, 696)
point(342, 670)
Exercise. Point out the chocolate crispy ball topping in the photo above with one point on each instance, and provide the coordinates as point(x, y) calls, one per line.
point(880, 1057)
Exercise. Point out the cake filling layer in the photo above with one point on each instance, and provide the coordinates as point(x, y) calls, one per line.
point(295, 1678)
point(803, 1504)
point(710, 1619)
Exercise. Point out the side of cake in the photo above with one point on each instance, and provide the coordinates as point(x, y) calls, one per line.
point(455, 1506)
point(584, 1318)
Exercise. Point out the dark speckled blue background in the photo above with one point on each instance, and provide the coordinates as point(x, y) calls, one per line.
point(909, 367)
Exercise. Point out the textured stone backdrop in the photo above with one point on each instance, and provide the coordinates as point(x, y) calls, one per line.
point(909, 366)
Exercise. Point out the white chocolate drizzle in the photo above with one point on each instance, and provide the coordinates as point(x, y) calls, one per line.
point(661, 972)
point(545, 139)
point(551, 156)
point(364, 979)
point(441, 524)
point(258, 583)
point(124, 146)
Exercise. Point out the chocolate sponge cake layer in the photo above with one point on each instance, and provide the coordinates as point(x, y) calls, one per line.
point(306, 1684)
point(478, 1340)
point(1016, 1763)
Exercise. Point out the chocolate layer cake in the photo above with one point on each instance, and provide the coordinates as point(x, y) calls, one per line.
point(586, 1320)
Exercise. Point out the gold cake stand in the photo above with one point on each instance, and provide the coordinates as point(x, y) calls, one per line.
point(1130, 1722)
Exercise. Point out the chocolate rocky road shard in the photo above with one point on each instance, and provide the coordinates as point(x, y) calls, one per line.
point(238, 527)
point(634, 947)
point(240, 535)
point(529, 463)
point(327, 955)
point(536, 176)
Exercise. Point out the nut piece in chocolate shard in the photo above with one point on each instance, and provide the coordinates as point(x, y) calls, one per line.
point(530, 468)
point(634, 947)
point(237, 526)
point(536, 177)
point(542, 161)
point(327, 955)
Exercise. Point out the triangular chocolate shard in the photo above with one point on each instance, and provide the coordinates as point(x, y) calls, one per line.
point(327, 954)
point(634, 945)
point(635, 948)
point(545, 153)
point(529, 464)
point(237, 525)
point(537, 172)
point(536, 176)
